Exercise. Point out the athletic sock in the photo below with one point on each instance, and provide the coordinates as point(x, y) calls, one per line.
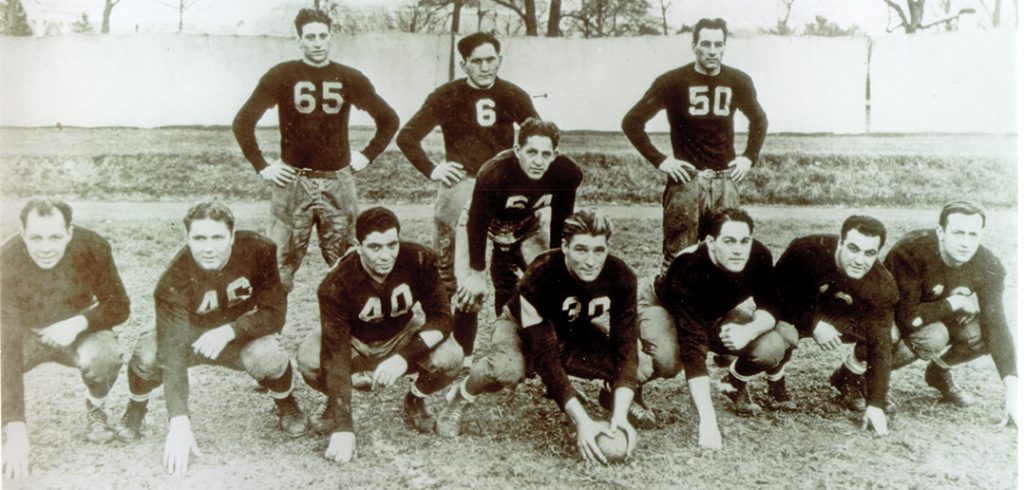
point(855, 366)
point(280, 387)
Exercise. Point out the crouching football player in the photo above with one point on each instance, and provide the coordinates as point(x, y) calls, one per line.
point(61, 294)
point(573, 313)
point(951, 294)
point(383, 309)
point(219, 302)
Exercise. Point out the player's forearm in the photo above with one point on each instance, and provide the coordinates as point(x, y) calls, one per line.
point(386, 120)
point(700, 391)
point(13, 405)
point(634, 125)
point(997, 334)
point(539, 341)
point(244, 128)
point(879, 360)
point(762, 323)
point(757, 131)
point(114, 305)
point(410, 140)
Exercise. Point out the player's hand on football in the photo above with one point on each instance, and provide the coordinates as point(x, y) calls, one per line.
point(586, 440)
point(827, 336)
point(448, 173)
point(471, 290)
point(16, 449)
point(359, 161)
point(179, 446)
point(211, 343)
point(389, 371)
point(968, 304)
point(874, 418)
point(64, 332)
point(677, 170)
point(622, 423)
point(708, 435)
point(279, 173)
point(341, 447)
point(739, 167)
point(734, 336)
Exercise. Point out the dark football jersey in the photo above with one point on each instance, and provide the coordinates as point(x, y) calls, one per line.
point(313, 106)
point(476, 123)
point(700, 110)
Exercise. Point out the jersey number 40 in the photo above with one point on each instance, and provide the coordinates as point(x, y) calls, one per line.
point(401, 301)
point(306, 101)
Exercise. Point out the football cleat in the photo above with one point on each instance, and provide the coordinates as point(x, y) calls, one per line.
point(639, 415)
point(414, 411)
point(850, 387)
point(942, 380)
point(290, 418)
point(449, 421)
point(97, 428)
point(742, 401)
point(779, 395)
point(129, 428)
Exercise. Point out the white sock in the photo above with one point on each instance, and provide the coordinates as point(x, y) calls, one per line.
point(732, 371)
point(465, 394)
point(280, 396)
point(856, 366)
point(143, 398)
point(777, 376)
point(414, 391)
point(96, 402)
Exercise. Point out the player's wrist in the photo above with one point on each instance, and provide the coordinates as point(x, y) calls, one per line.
point(15, 429)
point(179, 422)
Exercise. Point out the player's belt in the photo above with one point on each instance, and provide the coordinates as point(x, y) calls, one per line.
point(316, 174)
point(714, 174)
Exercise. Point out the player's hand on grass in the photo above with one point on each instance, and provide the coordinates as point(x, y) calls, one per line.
point(341, 447)
point(678, 170)
point(64, 332)
point(279, 173)
point(179, 446)
point(708, 435)
point(827, 336)
point(735, 336)
point(389, 371)
point(448, 173)
point(16, 449)
point(359, 161)
point(211, 343)
point(586, 440)
point(739, 167)
point(874, 418)
point(622, 423)
point(1010, 407)
point(471, 290)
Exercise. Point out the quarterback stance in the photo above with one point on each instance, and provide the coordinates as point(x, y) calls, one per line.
point(511, 195)
point(220, 302)
point(951, 294)
point(719, 296)
point(834, 288)
point(700, 100)
point(573, 313)
point(61, 295)
point(477, 115)
point(312, 181)
point(382, 309)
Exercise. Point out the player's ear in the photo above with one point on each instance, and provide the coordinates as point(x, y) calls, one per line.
point(71, 231)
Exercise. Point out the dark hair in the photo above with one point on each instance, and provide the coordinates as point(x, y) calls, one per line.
point(719, 219)
point(309, 16)
point(212, 210)
point(712, 24)
point(586, 222)
point(960, 207)
point(535, 127)
point(379, 219)
point(866, 225)
point(44, 206)
point(467, 44)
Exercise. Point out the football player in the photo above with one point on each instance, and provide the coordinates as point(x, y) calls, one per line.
point(700, 100)
point(60, 296)
point(477, 115)
point(834, 288)
point(573, 314)
point(383, 309)
point(312, 181)
point(951, 294)
point(220, 302)
point(719, 296)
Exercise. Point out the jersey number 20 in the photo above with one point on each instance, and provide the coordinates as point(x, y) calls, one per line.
point(305, 101)
point(701, 103)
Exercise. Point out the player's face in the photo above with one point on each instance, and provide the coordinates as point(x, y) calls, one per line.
point(315, 42)
point(482, 65)
point(210, 242)
point(709, 49)
point(960, 239)
point(585, 255)
point(731, 249)
point(378, 252)
point(857, 253)
point(46, 238)
point(536, 156)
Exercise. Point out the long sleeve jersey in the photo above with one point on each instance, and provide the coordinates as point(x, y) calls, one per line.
point(84, 282)
point(700, 111)
point(353, 305)
point(925, 281)
point(476, 123)
point(313, 106)
point(246, 293)
point(505, 198)
point(593, 317)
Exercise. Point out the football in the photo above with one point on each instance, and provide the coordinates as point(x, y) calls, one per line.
point(613, 447)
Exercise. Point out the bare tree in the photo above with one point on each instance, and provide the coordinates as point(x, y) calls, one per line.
point(15, 20)
point(665, 5)
point(555, 18)
point(526, 10)
point(911, 19)
point(782, 23)
point(423, 16)
point(82, 25)
point(609, 18)
point(108, 6)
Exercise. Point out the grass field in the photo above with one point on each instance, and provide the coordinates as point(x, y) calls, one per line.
point(518, 439)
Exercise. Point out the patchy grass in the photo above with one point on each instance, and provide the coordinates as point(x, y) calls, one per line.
point(519, 439)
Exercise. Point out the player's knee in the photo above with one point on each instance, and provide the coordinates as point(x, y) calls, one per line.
point(929, 341)
point(264, 358)
point(505, 370)
point(308, 357)
point(446, 359)
point(769, 350)
point(99, 357)
point(969, 335)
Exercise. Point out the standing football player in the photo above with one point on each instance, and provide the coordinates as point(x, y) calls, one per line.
point(220, 302)
point(477, 115)
point(835, 289)
point(383, 309)
point(573, 313)
point(951, 294)
point(312, 181)
point(61, 295)
point(700, 100)
point(720, 296)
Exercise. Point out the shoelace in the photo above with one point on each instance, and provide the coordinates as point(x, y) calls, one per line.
point(638, 412)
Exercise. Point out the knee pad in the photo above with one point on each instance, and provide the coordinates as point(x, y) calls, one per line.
point(769, 350)
point(929, 341)
point(99, 357)
point(446, 358)
point(264, 358)
point(307, 359)
point(970, 336)
point(505, 371)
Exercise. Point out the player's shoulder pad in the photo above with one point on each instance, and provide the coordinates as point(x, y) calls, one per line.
point(253, 240)
point(421, 254)
point(760, 251)
point(988, 261)
point(493, 169)
point(619, 268)
point(568, 168)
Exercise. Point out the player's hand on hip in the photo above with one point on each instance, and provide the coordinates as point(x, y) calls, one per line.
point(874, 418)
point(15, 451)
point(279, 173)
point(389, 371)
point(211, 343)
point(448, 173)
point(179, 446)
point(739, 167)
point(341, 447)
point(586, 440)
point(64, 332)
point(622, 423)
point(359, 161)
point(827, 337)
point(708, 435)
point(677, 170)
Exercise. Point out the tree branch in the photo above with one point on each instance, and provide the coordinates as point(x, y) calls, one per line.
point(511, 6)
point(899, 10)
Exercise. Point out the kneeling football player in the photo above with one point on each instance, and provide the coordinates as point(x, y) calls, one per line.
point(573, 313)
point(382, 309)
point(219, 302)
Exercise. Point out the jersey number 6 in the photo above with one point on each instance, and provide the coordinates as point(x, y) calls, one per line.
point(485, 115)
point(305, 101)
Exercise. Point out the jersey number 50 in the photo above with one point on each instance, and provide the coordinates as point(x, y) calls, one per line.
point(305, 101)
point(700, 101)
